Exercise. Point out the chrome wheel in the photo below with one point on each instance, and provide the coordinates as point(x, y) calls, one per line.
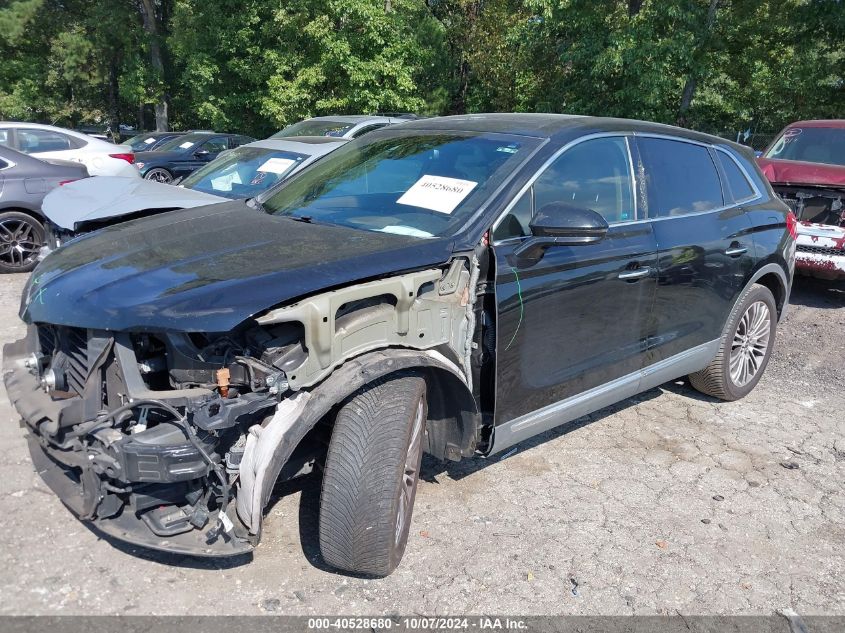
point(159, 175)
point(411, 472)
point(750, 343)
point(20, 242)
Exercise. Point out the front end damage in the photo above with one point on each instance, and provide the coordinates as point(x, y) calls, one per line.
point(820, 246)
point(174, 440)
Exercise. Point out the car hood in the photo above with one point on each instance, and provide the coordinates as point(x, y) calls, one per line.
point(208, 269)
point(104, 197)
point(794, 172)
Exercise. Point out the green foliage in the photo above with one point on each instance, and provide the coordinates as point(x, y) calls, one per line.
point(255, 66)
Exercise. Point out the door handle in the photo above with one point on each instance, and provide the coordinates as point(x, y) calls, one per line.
point(736, 251)
point(633, 275)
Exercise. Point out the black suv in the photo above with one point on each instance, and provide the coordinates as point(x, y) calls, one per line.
point(450, 286)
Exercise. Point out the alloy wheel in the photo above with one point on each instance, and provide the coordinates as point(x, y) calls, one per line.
point(750, 343)
point(159, 175)
point(19, 242)
point(410, 472)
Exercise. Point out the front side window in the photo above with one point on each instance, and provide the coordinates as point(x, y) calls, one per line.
point(681, 177)
point(215, 145)
point(34, 141)
point(594, 174)
point(315, 127)
point(421, 184)
point(4, 137)
point(810, 144)
point(244, 172)
point(737, 182)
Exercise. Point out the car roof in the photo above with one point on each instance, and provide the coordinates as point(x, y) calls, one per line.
point(354, 119)
point(551, 125)
point(829, 123)
point(312, 145)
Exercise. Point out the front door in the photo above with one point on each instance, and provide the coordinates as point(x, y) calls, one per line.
point(577, 318)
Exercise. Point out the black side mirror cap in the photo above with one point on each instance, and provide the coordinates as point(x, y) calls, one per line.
point(559, 219)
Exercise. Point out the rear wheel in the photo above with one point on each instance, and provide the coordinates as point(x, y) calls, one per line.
point(370, 481)
point(745, 348)
point(159, 174)
point(21, 239)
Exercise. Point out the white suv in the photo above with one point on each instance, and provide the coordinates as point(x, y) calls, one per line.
point(46, 141)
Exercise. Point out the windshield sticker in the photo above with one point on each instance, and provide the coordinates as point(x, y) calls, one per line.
point(150, 140)
point(508, 149)
point(186, 145)
point(437, 193)
point(276, 165)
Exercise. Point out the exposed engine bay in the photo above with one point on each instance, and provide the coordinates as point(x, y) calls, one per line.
point(820, 243)
point(146, 433)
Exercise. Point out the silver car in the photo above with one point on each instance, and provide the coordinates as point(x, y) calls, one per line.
point(342, 126)
point(24, 181)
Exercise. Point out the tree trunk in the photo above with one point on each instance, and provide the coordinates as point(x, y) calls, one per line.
point(114, 110)
point(634, 7)
point(157, 61)
point(692, 78)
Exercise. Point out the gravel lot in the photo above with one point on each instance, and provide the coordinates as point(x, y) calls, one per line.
point(668, 502)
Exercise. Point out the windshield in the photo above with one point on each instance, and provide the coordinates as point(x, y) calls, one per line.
point(244, 172)
point(315, 127)
point(810, 144)
point(424, 184)
point(182, 142)
point(141, 142)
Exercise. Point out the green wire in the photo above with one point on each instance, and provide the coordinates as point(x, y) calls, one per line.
point(521, 308)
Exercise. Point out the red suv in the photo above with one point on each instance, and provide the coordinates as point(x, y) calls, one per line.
point(806, 166)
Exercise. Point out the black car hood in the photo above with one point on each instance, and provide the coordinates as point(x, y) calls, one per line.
point(208, 269)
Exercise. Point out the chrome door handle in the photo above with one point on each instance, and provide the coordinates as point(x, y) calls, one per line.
point(637, 273)
point(736, 250)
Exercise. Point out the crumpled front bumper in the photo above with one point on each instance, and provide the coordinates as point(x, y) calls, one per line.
point(820, 251)
point(70, 476)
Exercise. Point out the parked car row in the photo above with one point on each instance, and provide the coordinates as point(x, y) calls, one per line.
point(450, 286)
point(160, 157)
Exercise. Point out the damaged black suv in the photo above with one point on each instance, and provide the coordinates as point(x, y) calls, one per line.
point(449, 286)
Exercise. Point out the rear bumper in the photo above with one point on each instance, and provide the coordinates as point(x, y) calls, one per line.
point(130, 505)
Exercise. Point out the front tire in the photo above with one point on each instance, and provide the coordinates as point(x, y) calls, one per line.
point(159, 174)
point(371, 475)
point(21, 239)
point(744, 350)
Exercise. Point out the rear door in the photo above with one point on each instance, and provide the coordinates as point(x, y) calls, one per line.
point(578, 317)
point(704, 244)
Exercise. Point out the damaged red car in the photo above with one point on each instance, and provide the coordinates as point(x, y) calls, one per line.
point(806, 166)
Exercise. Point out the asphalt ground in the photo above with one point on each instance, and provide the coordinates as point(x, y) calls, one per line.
point(669, 502)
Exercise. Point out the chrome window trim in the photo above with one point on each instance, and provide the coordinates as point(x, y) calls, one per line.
point(758, 195)
point(545, 166)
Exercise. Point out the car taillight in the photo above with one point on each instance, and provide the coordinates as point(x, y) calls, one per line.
point(129, 158)
point(792, 225)
point(62, 183)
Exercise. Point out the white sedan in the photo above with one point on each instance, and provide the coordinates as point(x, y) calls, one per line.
point(46, 141)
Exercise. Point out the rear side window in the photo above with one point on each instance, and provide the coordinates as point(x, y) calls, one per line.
point(4, 137)
point(681, 178)
point(35, 141)
point(3, 164)
point(737, 182)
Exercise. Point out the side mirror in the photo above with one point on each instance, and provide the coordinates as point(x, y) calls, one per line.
point(559, 224)
point(576, 225)
point(202, 154)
